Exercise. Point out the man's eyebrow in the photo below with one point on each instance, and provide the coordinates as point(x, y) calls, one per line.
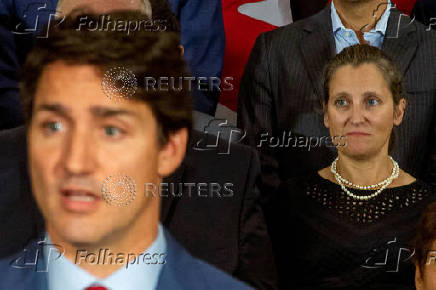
point(97, 111)
point(55, 108)
point(105, 112)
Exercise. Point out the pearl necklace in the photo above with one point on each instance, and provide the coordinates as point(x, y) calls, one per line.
point(385, 183)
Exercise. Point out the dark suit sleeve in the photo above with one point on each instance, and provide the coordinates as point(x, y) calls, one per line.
point(10, 111)
point(256, 262)
point(425, 12)
point(430, 174)
point(202, 35)
point(256, 114)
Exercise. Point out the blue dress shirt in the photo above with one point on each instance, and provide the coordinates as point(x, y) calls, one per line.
point(345, 37)
point(64, 274)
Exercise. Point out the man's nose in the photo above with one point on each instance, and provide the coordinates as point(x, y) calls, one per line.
point(80, 152)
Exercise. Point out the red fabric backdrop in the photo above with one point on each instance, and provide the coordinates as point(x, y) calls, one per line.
point(241, 32)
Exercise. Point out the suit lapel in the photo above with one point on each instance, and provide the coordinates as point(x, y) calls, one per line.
point(27, 268)
point(171, 276)
point(318, 47)
point(400, 41)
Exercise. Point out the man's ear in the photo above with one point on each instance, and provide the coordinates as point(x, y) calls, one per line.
point(182, 50)
point(399, 112)
point(172, 153)
point(418, 278)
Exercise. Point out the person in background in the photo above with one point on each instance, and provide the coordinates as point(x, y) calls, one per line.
point(362, 209)
point(281, 90)
point(20, 22)
point(425, 250)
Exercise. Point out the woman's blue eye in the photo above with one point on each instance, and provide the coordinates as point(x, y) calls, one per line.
point(372, 102)
point(341, 103)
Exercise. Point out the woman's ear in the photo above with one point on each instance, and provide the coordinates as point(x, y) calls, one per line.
point(326, 117)
point(399, 112)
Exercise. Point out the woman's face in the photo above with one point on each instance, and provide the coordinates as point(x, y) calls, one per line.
point(361, 109)
point(427, 280)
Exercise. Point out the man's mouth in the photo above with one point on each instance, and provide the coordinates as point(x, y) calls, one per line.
point(79, 200)
point(79, 195)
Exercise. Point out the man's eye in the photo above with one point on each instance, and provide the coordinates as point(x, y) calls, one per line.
point(341, 103)
point(53, 126)
point(112, 131)
point(372, 102)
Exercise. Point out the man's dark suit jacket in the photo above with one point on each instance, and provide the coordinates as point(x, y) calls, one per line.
point(181, 271)
point(425, 12)
point(281, 91)
point(227, 232)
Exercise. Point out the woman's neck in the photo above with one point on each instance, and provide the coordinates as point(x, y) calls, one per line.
point(364, 171)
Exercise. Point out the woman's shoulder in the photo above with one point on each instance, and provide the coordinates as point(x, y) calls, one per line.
point(299, 182)
point(421, 189)
point(297, 187)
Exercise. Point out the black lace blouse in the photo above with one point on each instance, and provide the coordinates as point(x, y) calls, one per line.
point(324, 239)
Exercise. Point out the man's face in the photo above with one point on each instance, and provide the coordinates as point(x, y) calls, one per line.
point(102, 6)
point(76, 139)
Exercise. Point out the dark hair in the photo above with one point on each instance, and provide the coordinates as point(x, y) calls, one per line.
point(357, 55)
point(160, 10)
point(144, 53)
point(425, 236)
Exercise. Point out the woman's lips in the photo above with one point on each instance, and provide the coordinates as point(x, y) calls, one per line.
point(79, 201)
point(357, 134)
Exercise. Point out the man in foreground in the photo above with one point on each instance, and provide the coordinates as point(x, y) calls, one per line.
point(94, 140)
